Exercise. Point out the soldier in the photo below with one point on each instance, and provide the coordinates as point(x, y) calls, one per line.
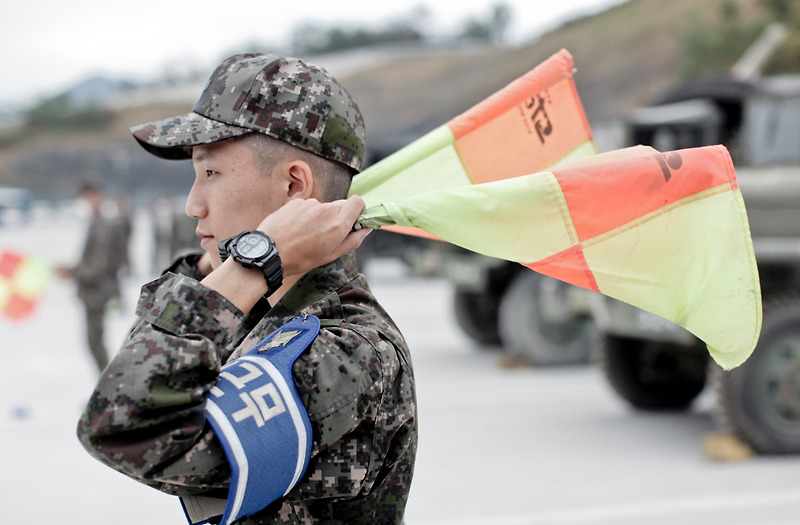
point(274, 142)
point(97, 275)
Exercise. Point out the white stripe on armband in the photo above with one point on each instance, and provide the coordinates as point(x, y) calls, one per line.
point(294, 411)
point(238, 454)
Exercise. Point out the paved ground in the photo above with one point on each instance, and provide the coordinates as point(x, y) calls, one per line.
point(497, 446)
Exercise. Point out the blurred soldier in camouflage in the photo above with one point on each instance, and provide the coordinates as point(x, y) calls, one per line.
point(274, 142)
point(97, 275)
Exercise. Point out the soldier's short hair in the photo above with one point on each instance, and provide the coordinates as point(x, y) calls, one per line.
point(332, 177)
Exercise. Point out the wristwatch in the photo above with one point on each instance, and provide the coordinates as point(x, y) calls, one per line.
point(255, 249)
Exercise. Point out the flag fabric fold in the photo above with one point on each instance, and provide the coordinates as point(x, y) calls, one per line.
point(518, 177)
point(665, 232)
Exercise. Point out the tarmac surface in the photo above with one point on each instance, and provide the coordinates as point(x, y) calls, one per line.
point(498, 446)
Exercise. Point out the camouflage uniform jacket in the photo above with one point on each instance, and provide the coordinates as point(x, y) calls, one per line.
point(146, 419)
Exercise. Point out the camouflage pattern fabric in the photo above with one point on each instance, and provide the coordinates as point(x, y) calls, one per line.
point(283, 97)
point(145, 418)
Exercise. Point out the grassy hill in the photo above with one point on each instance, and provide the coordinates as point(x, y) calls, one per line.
point(624, 57)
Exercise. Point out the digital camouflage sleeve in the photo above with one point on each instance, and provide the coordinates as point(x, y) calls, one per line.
point(146, 415)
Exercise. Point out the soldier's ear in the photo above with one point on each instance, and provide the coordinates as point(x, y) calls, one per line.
point(300, 179)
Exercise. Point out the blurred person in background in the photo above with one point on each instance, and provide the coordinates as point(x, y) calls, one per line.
point(97, 273)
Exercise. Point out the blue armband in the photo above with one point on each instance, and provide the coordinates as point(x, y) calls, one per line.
point(263, 426)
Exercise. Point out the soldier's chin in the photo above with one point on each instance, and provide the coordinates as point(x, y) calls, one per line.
point(208, 262)
point(214, 259)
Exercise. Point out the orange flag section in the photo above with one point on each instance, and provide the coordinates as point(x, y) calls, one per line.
point(535, 122)
point(643, 186)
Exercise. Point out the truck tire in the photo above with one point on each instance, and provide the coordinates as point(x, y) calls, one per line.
point(652, 375)
point(540, 326)
point(476, 315)
point(759, 401)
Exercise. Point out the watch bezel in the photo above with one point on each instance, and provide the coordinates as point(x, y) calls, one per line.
point(269, 262)
point(252, 260)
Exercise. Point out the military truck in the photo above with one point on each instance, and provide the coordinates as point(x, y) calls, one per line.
point(656, 365)
point(498, 304)
point(650, 362)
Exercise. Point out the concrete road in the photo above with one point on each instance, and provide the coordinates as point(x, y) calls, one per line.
point(555, 446)
point(497, 446)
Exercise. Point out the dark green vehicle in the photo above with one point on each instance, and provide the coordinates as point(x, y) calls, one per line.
point(650, 362)
point(656, 365)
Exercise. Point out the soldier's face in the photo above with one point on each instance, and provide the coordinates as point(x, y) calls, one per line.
point(228, 196)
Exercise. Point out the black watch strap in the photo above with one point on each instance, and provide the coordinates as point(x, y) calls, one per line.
point(273, 273)
point(222, 248)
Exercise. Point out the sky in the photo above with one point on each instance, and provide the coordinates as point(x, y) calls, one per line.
point(49, 45)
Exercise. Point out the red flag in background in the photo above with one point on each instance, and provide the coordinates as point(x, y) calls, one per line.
point(22, 281)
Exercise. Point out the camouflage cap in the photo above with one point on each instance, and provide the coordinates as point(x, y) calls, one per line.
point(285, 98)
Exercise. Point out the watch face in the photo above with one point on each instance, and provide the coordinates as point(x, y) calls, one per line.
point(252, 245)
